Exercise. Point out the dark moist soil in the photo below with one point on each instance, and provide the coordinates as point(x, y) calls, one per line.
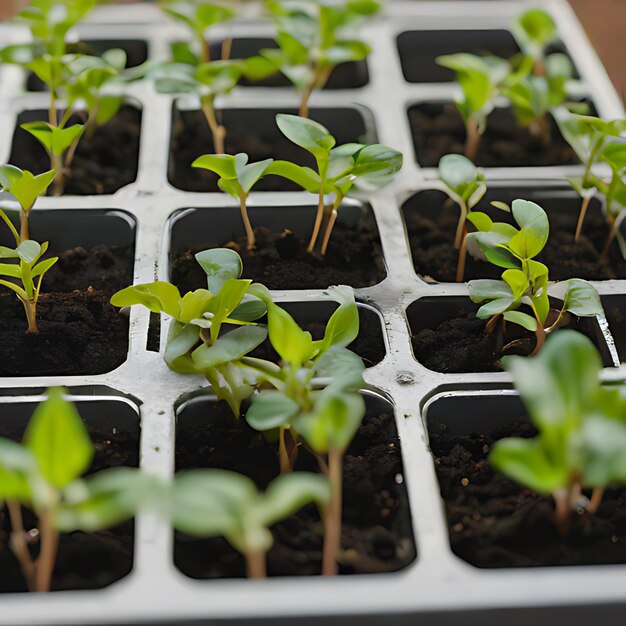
point(280, 261)
point(258, 137)
point(494, 522)
point(85, 560)
point(376, 536)
point(435, 257)
point(459, 344)
point(102, 165)
point(439, 129)
point(79, 331)
point(369, 344)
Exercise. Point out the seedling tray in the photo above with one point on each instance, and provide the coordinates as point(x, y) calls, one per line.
point(437, 587)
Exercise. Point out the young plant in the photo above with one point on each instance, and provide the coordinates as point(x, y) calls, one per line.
point(534, 30)
point(582, 427)
point(465, 185)
point(25, 187)
point(43, 474)
point(479, 79)
point(212, 329)
point(209, 503)
point(588, 136)
point(525, 280)
point(236, 177)
point(314, 37)
point(614, 191)
point(340, 171)
point(324, 417)
point(192, 71)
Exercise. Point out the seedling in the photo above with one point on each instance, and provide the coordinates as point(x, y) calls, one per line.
point(588, 136)
point(314, 37)
point(466, 185)
point(615, 190)
point(349, 168)
point(25, 187)
point(525, 280)
point(534, 31)
point(200, 338)
point(582, 429)
point(479, 79)
point(236, 177)
point(209, 503)
point(192, 71)
point(326, 417)
point(43, 474)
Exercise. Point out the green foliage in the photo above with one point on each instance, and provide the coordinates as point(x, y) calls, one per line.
point(44, 474)
point(350, 168)
point(24, 186)
point(314, 37)
point(534, 31)
point(582, 425)
point(201, 338)
point(54, 139)
point(208, 503)
point(525, 280)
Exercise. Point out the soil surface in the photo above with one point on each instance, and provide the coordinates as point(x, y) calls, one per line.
point(79, 331)
point(377, 534)
point(435, 257)
point(438, 129)
point(494, 522)
point(459, 342)
point(85, 560)
point(280, 261)
point(369, 344)
point(103, 163)
point(253, 132)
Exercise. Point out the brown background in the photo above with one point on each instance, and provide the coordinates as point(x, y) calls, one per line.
point(604, 21)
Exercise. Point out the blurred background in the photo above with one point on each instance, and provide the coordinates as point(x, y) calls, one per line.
point(604, 21)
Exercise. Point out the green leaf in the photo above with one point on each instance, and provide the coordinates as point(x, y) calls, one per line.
point(615, 155)
point(480, 220)
point(526, 462)
point(305, 177)
point(55, 140)
point(534, 30)
point(16, 465)
point(307, 134)
point(23, 186)
point(220, 265)
point(603, 446)
point(582, 299)
point(535, 229)
point(222, 164)
point(157, 297)
point(457, 171)
point(522, 319)
point(293, 345)
point(181, 339)
point(517, 281)
point(58, 440)
point(230, 347)
point(343, 326)
point(29, 251)
point(271, 409)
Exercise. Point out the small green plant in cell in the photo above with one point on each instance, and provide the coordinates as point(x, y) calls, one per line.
point(534, 31)
point(479, 79)
point(588, 136)
point(525, 280)
point(465, 185)
point(314, 37)
point(582, 427)
point(350, 169)
point(213, 329)
point(613, 190)
point(213, 502)
point(236, 177)
point(43, 473)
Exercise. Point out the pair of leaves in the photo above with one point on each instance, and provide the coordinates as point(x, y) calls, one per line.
point(23, 185)
point(465, 184)
point(236, 175)
point(54, 139)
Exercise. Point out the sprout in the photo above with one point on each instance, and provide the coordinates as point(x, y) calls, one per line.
point(208, 503)
point(582, 430)
point(236, 177)
point(339, 170)
point(314, 37)
point(43, 474)
point(525, 280)
point(465, 184)
point(534, 31)
point(479, 79)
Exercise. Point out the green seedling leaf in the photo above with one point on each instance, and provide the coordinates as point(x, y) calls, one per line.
point(58, 440)
point(271, 409)
point(16, 466)
point(582, 299)
point(24, 186)
point(54, 139)
point(220, 266)
point(343, 326)
point(521, 319)
point(230, 347)
point(307, 134)
point(534, 30)
point(157, 297)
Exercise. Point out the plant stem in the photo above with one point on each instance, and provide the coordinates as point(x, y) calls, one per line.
point(540, 333)
point(609, 240)
point(30, 307)
point(318, 222)
point(562, 510)
point(332, 515)
point(283, 455)
point(227, 46)
point(329, 229)
point(47, 556)
point(460, 226)
point(596, 499)
point(18, 543)
point(460, 266)
point(58, 185)
point(217, 130)
point(472, 140)
point(256, 564)
point(24, 229)
point(317, 82)
point(246, 221)
point(581, 217)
